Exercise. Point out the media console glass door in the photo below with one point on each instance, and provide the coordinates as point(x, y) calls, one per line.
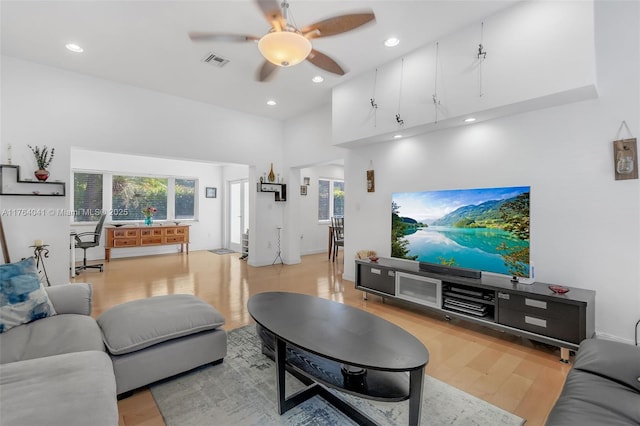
point(418, 289)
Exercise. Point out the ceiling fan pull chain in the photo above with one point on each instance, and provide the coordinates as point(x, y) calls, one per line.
point(436, 101)
point(399, 120)
point(285, 13)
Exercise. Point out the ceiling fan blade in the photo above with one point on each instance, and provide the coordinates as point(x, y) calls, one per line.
point(201, 36)
point(338, 24)
point(272, 13)
point(321, 60)
point(266, 72)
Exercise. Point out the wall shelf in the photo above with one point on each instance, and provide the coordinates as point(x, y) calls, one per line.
point(11, 184)
point(279, 190)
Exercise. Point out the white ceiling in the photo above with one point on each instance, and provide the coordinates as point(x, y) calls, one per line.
point(145, 44)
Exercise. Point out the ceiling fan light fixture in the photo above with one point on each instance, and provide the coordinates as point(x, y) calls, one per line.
point(284, 48)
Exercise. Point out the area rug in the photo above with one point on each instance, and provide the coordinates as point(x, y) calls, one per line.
point(242, 391)
point(222, 251)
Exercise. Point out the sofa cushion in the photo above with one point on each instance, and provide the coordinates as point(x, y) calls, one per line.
point(614, 360)
point(138, 324)
point(22, 297)
point(73, 298)
point(589, 399)
point(51, 336)
point(69, 389)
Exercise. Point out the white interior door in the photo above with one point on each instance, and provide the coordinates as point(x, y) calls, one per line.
point(238, 212)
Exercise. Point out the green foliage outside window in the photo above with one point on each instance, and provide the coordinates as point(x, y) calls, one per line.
point(185, 194)
point(87, 196)
point(134, 193)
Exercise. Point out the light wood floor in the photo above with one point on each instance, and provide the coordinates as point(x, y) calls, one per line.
point(515, 374)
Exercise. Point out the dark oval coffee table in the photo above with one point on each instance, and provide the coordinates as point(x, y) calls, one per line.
point(370, 354)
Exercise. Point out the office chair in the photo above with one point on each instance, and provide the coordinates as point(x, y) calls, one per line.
point(92, 239)
point(337, 223)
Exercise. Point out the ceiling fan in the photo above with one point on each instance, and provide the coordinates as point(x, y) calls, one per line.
point(285, 45)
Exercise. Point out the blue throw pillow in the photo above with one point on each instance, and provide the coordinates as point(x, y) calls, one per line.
point(22, 296)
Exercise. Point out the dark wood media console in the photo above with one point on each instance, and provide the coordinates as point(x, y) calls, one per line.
point(529, 310)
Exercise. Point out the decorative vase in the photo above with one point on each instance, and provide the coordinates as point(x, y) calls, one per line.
point(41, 174)
point(148, 220)
point(272, 176)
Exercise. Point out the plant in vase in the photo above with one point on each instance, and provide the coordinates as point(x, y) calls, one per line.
point(148, 213)
point(44, 157)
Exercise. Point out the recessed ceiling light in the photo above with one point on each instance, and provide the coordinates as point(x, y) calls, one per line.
point(470, 120)
point(392, 42)
point(271, 102)
point(317, 79)
point(74, 48)
point(397, 136)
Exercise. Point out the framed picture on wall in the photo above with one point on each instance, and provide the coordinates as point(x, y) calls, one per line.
point(303, 189)
point(211, 192)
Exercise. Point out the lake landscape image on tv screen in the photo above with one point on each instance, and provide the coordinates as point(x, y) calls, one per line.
point(485, 229)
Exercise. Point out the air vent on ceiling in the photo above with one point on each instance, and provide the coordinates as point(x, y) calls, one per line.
point(217, 60)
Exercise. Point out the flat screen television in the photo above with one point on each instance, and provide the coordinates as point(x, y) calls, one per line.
point(483, 229)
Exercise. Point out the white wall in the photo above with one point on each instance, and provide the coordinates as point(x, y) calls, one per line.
point(307, 142)
point(44, 105)
point(525, 45)
point(314, 234)
point(584, 224)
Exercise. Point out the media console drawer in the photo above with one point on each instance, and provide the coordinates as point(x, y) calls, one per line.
point(558, 328)
point(379, 279)
point(536, 306)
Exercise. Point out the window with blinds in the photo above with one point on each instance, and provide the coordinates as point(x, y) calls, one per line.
point(135, 193)
point(173, 198)
point(185, 196)
point(87, 196)
point(330, 199)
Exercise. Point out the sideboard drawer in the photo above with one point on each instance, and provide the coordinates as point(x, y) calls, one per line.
point(175, 239)
point(559, 328)
point(125, 242)
point(125, 233)
point(150, 240)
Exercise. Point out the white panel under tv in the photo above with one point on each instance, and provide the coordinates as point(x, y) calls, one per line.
point(419, 289)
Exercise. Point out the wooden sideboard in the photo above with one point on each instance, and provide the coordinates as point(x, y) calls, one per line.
point(145, 236)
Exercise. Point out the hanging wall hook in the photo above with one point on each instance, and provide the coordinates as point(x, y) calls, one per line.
point(374, 105)
point(399, 120)
point(481, 52)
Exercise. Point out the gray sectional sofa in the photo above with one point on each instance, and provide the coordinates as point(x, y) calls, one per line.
point(602, 388)
point(69, 369)
point(55, 371)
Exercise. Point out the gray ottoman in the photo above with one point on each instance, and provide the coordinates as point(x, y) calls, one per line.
point(158, 337)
